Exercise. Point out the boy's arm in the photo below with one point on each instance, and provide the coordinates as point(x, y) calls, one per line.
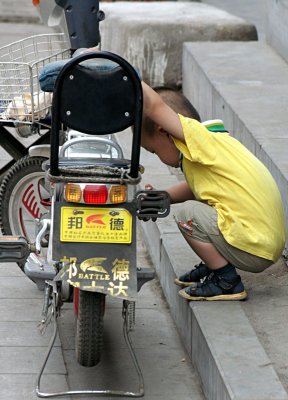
point(160, 113)
point(180, 192)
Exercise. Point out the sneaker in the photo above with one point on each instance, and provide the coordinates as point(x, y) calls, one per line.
point(216, 287)
point(200, 271)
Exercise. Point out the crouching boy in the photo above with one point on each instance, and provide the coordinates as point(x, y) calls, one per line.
point(230, 210)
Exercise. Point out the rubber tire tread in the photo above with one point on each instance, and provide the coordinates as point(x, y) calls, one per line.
point(23, 167)
point(89, 328)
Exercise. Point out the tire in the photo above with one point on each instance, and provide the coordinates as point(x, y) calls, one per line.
point(23, 197)
point(89, 327)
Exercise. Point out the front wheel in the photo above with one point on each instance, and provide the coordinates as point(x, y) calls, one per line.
point(89, 310)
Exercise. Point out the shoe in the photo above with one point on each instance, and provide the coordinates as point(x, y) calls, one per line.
point(200, 271)
point(216, 287)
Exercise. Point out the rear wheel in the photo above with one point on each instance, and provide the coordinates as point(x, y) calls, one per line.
point(89, 310)
point(23, 197)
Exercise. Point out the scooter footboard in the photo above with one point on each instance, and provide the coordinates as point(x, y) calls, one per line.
point(14, 249)
point(152, 204)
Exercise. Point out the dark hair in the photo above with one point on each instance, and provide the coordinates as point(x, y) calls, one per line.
point(177, 101)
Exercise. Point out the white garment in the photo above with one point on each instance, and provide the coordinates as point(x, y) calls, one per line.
point(20, 108)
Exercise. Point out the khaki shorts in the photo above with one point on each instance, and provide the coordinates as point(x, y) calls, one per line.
point(199, 221)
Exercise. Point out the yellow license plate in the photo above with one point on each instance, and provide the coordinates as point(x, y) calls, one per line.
point(97, 225)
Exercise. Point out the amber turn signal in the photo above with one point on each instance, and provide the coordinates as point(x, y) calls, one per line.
point(73, 192)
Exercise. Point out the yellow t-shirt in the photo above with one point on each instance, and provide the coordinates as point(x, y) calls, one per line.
point(224, 174)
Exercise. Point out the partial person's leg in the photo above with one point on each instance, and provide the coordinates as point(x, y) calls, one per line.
point(207, 252)
point(197, 221)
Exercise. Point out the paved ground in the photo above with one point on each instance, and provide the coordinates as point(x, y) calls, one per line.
point(18, 11)
point(166, 368)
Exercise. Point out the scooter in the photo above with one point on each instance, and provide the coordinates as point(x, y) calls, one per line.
point(25, 108)
point(85, 244)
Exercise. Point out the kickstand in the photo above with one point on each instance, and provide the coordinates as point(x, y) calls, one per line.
point(126, 328)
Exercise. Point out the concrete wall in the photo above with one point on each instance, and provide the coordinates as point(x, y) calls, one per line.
point(150, 35)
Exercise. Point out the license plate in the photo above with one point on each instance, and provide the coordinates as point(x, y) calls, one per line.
point(97, 225)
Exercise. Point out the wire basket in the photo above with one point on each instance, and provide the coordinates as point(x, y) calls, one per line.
point(21, 99)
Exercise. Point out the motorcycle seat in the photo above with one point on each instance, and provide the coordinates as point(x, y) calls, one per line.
point(49, 73)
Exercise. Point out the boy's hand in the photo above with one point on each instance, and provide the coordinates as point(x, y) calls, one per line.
point(89, 49)
point(148, 186)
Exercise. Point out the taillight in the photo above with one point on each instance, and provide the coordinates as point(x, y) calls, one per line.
point(117, 194)
point(35, 2)
point(95, 194)
point(73, 192)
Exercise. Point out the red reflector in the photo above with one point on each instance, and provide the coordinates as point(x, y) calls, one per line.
point(95, 194)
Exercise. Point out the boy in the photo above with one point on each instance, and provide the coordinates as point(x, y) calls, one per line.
point(231, 213)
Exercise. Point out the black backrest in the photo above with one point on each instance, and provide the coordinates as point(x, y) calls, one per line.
point(97, 101)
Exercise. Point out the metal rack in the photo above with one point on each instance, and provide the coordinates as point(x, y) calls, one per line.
point(22, 104)
point(21, 99)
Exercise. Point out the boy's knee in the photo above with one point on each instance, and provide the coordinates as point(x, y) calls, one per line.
point(186, 211)
point(197, 220)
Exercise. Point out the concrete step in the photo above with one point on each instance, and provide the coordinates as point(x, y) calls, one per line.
point(246, 85)
point(150, 34)
point(276, 26)
point(218, 337)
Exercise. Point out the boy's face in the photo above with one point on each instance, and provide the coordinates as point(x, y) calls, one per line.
point(163, 146)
